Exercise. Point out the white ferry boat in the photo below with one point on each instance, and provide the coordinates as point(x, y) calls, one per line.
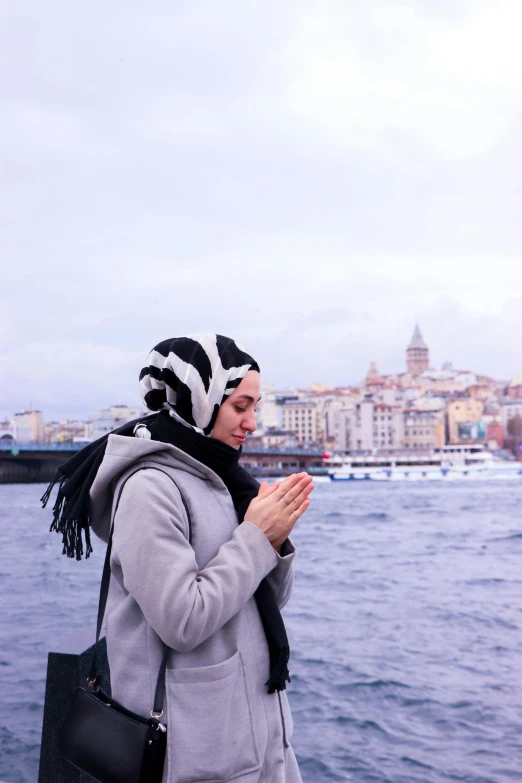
point(448, 462)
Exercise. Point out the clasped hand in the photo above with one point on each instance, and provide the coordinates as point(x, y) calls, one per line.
point(277, 507)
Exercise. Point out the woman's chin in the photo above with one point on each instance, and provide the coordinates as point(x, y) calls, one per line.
point(230, 441)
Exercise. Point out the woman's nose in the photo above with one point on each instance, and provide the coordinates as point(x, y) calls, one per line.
point(249, 423)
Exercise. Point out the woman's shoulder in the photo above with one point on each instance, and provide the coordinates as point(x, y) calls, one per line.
point(150, 479)
point(151, 492)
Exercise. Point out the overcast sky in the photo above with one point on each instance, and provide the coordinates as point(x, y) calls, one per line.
point(309, 178)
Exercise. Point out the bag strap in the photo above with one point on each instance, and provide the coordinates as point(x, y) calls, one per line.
point(159, 695)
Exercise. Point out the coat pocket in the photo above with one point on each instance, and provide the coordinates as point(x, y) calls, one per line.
point(211, 733)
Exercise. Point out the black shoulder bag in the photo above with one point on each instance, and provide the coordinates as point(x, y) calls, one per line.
point(100, 736)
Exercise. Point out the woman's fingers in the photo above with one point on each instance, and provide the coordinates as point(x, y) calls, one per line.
point(299, 500)
point(288, 483)
point(265, 489)
point(298, 489)
point(299, 511)
point(291, 479)
point(262, 491)
point(299, 505)
point(275, 518)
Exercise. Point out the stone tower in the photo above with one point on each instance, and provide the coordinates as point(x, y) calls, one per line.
point(417, 354)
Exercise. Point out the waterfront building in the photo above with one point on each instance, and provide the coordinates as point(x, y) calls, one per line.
point(355, 431)
point(274, 438)
point(512, 421)
point(331, 416)
point(417, 354)
point(66, 431)
point(465, 420)
point(268, 410)
point(301, 416)
point(366, 425)
point(100, 423)
point(107, 419)
point(388, 426)
point(423, 429)
point(269, 407)
point(510, 409)
point(28, 426)
point(495, 435)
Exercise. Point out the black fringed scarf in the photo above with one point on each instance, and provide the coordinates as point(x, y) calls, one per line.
point(74, 478)
point(71, 511)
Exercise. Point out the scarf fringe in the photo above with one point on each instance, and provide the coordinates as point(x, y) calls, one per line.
point(63, 522)
point(279, 674)
point(58, 477)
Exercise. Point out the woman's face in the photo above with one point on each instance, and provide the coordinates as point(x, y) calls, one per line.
point(237, 414)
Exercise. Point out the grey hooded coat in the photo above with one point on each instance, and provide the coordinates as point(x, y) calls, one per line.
point(198, 599)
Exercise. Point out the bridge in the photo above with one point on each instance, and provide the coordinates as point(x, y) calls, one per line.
point(23, 463)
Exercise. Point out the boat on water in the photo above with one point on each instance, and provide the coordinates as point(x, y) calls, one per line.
point(445, 463)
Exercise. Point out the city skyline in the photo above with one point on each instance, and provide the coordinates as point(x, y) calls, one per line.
point(417, 364)
point(419, 409)
point(77, 413)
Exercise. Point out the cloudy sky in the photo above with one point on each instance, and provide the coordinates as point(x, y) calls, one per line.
point(309, 177)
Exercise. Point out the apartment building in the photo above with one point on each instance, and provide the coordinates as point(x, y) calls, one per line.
point(367, 425)
point(66, 430)
point(388, 426)
point(269, 408)
point(107, 419)
point(28, 426)
point(331, 418)
point(465, 410)
point(510, 409)
point(274, 438)
point(423, 429)
point(302, 417)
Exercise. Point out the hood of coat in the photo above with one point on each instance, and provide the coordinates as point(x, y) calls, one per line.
point(122, 454)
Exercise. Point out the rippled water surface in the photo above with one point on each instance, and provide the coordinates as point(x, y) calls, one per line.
point(405, 625)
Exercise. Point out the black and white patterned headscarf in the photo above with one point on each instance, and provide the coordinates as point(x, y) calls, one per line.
point(191, 377)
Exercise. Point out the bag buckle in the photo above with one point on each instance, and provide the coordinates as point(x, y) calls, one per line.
point(156, 716)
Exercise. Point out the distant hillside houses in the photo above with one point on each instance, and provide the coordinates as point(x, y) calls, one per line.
point(416, 410)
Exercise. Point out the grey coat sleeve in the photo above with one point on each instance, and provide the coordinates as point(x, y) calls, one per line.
point(281, 578)
point(183, 605)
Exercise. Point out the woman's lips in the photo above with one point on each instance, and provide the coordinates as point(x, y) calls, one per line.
point(240, 438)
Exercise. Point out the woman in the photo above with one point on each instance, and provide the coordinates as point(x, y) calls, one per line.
point(185, 574)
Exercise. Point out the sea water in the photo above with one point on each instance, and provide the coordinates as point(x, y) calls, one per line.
point(405, 627)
